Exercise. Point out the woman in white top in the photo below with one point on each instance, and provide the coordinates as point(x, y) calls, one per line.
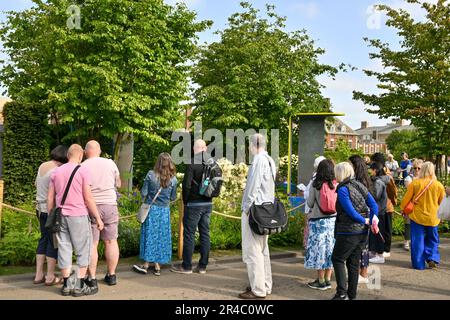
point(392, 165)
point(46, 249)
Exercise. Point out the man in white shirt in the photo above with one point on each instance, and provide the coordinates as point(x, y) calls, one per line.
point(105, 179)
point(260, 188)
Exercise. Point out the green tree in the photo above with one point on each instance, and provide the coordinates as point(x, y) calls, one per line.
point(415, 79)
point(123, 72)
point(406, 141)
point(341, 152)
point(258, 74)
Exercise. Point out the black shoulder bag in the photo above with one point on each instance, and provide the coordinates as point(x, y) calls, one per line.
point(53, 223)
point(268, 218)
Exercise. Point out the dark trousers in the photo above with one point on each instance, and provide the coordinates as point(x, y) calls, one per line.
point(45, 245)
point(347, 252)
point(196, 215)
point(376, 244)
point(407, 231)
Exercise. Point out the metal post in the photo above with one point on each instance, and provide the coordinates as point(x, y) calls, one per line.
point(180, 228)
point(289, 156)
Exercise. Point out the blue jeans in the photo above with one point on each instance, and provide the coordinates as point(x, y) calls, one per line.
point(424, 245)
point(196, 215)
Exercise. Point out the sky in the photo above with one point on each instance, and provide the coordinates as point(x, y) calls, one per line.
point(336, 26)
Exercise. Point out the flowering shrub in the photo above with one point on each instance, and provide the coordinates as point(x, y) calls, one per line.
point(283, 168)
point(235, 178)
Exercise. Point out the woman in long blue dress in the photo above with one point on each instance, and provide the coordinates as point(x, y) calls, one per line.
point(156, 236)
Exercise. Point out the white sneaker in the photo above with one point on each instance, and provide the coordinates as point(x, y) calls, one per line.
point(377, 259)
point(386, 254)
point(406, 246)
point(362, 279)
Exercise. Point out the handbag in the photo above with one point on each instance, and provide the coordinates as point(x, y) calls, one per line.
point(53, 223)
point(410, 206)
point(268, 218)
point(145, 208)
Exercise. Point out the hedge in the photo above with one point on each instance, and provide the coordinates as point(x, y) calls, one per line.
point(26, 146)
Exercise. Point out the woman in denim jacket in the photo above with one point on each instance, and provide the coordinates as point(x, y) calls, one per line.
point(160, 187)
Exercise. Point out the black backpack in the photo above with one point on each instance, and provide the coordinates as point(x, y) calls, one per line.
point(212, 180)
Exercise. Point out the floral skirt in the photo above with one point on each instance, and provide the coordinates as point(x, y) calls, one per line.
point(320, 244)
point(156, 236)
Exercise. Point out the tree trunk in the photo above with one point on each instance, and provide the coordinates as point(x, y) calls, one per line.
point(123, 156)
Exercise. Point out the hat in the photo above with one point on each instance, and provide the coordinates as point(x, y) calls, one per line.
point(318, 161)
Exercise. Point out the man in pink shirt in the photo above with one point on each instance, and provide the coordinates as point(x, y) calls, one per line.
point(75, 230)
point(105, 179)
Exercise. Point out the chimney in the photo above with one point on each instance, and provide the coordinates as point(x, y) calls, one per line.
point(364, 124)
point(401, 122)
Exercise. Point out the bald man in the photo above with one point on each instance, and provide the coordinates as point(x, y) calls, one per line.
point(105, 179)
point(197, 212)
point(75, 230)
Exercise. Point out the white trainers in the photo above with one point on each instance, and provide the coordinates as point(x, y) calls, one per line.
point(406, 246)
point(386, 254)
point(377, 259)
point(363, 280)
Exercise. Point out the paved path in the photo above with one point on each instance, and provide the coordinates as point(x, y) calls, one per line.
point(227, 278)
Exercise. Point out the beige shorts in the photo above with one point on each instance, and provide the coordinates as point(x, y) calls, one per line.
point(110, 217)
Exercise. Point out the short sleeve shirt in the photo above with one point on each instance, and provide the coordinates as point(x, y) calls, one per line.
point(103, 174)
point(75, 203)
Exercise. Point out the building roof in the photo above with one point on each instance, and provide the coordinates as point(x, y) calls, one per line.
point(338, 127)
point(387, 129)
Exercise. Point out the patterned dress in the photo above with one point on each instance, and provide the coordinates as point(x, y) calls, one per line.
point(156, 236)
point(320, 244)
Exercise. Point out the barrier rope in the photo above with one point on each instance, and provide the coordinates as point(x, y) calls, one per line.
point(133, 215)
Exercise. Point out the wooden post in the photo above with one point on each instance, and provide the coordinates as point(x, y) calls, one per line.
point(180, 228)
point(1, 205)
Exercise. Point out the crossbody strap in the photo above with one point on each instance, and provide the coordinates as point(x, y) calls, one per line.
point(156, 196)
point(68, 185)
point(423, 191)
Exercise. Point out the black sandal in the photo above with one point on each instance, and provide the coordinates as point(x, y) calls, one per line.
point(157, 272)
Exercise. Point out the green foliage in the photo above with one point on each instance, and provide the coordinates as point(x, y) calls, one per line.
point(342, 152)
point(406, 141)
point(294, 234)
point(25, 148)
point(415, 79)
point(258, 74)
point(18, 247)
point(124, 71)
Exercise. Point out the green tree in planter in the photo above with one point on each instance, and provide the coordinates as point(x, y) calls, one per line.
point(258, 74)
point(25, 147)
point(124, 71)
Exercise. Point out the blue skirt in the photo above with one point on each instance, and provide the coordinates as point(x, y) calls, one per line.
point(320, 244)
point(156, 236)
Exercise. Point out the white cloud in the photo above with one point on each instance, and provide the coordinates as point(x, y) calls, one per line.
point(308, 9)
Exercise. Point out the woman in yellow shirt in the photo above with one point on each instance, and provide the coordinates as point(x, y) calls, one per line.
point(424, 219)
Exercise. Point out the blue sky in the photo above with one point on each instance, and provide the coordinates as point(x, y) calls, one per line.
point(336, 26)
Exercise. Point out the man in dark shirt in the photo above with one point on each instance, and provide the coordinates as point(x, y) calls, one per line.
point(197, 212)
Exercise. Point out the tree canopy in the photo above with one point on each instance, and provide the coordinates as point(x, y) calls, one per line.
point(125, 69)
point(415, 80)
point(258, 74)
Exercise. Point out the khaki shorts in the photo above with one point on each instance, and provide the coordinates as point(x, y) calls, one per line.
point(110, 217)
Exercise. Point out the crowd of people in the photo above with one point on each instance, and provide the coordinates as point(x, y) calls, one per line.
point(349, 208)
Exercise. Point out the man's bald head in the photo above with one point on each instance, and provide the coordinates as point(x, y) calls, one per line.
point(200, 146)
point(75, 153)
point(93, 149)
